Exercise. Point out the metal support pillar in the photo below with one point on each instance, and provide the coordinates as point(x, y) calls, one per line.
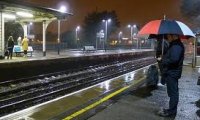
point(106, 36)
point(45, 25)
point(25, 28)
point(2, 34)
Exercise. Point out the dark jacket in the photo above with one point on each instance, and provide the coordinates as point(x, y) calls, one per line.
point(173, 59)
point(10, 44)
point(159, 48)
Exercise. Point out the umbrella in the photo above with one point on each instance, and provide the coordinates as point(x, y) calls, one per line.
point(158, 27)
point(162, 27)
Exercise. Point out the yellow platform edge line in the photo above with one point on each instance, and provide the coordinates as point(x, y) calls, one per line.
point(100, 101)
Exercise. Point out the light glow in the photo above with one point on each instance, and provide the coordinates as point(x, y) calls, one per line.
point(77, 28)
point(9, 16)
point(124, 38)
point(25, 14)
point(132, 26)
point(63, 9)
point(108, 20)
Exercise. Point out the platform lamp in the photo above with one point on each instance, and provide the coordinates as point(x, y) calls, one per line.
point(76, 35)
point(62, 9)
point(132, 27)
point(119, 37)
point(106, 21)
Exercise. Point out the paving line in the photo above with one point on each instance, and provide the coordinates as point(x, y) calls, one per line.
point(100, 101)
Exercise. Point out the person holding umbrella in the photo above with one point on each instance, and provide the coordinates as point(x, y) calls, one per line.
point(161, 49)
point(173, 59)
point(172, 63)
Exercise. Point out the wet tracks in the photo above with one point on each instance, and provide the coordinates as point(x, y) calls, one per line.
point(19, 94)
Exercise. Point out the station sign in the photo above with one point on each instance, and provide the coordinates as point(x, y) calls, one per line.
point(100, 34)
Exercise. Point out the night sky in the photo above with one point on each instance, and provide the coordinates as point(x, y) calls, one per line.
point(129, 11)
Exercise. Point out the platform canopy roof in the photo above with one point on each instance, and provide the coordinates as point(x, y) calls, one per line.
point(24, 12)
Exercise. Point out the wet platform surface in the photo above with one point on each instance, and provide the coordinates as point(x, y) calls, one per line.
point(140, 104)
point(38, 55)
point(53, 109)
point(143, 103)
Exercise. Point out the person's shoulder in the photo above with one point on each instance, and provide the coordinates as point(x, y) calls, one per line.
point(177, 47)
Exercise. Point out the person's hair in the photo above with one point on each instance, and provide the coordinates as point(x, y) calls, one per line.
point(158, 37)
point(10, 38)
point(175, 36)
point(161, 36)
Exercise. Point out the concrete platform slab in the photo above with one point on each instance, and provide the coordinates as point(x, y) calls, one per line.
point(143, 103)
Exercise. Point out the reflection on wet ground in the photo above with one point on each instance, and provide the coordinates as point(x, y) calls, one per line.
point(79, 98)
point(144, 103)
point(143, 92)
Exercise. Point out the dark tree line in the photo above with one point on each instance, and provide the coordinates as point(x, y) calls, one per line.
point(93, 23)
point(13, 29)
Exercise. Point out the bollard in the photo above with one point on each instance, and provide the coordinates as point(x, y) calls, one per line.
point(198, 82)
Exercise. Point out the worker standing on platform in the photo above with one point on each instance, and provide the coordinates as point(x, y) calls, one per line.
point(10, 47)
point(25, 46)
point(172, 69)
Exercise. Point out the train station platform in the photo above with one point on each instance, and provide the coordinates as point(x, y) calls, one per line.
point(122, 98)
point(64, 106)
point(119, 98)
point(144, 103)
point(38, 55)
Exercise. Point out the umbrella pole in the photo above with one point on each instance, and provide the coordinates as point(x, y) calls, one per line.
point(163, 46)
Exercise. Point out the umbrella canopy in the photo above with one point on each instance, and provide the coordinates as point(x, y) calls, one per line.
point(158, 27)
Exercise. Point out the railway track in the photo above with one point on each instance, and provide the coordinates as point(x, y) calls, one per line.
point(19, 94)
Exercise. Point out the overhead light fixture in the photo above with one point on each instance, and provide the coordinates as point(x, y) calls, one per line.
point(63, 9)
point(9, 16)
point(25, 14)
point(124, 38)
